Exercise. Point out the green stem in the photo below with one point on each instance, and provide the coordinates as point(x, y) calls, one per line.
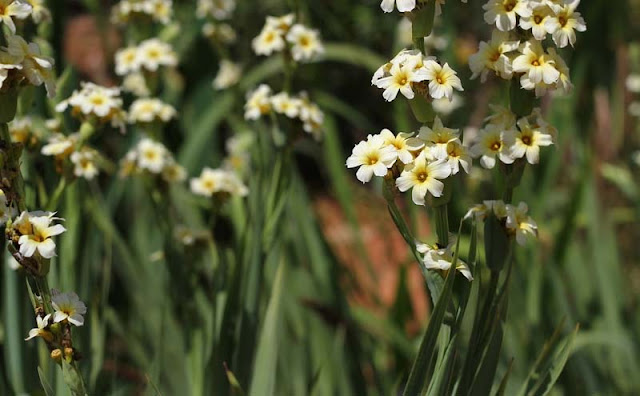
point(442, 225)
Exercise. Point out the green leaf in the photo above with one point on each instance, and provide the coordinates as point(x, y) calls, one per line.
point(549, 365)
point(265, 368)
point(48, 390)
point(418, 375)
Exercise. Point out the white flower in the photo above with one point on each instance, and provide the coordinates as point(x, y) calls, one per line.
point(39, 13)
point(85, 164)
point(152, 155)
point(173, 172)
point(127, 61)
point(423, 176)
point(305, 42)
point(564, 23)
point(37, 68)
point(503, 13)
point(438, 137)
point(633, 83)
point(154, 53)
point(457, 156)
point(136, 84)
point(282, 103)
point(282, 23)
point(492, 56)
point(402, 5)
point(213, 181)
point(535, 64)
point(400, 79)
point(442, 80)
point(228, 75)
point(521, 223)
point(93, 100)
point(528, 141)
point(269, 40)
point(13, 9)
point(59, 145)
point(445, 106)
point(481, 211)
point(537, 21)
point(8, 62)
point(372, 157)
point(39, 331)
point(403, 144)
point(68, 307)
point(36, 230)
point(258, 103)
point(311, 116)
point(440, 258)
point(146, 110)
point(493, 142)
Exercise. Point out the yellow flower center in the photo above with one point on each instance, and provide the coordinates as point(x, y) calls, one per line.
point(495, 146)
point(509, 5)
point(372, 159)
point(562, 20)
point(269, 37)
point(537, 19)
point(422, 176)
point(527, 140)
point(304, 41)
point(535, 63)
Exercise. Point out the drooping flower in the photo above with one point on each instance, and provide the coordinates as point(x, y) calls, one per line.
point(41, 330)
point(6, 211)
point(441, 258)
point(402, 5)
point(521, 223)
point(13, 9)
point(228, 75)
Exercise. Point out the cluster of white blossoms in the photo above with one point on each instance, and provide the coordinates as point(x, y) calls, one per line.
point(438, 258)
point(148, 110)
point(262, 101)
point(515, 218)
point(283, 34)
point(216, 9)
point(516, 47)
point(212, 182)
point(22, 62)
point(67, 309)
point(96, 103)
point(127, 11)
point(84, 159)
point(417, 163)
point(507, 138)
point(412, 72)
point(34, 232)
point(149, 56)
point(151, 157)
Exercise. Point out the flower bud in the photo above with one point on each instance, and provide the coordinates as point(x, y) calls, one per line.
point(56, 355)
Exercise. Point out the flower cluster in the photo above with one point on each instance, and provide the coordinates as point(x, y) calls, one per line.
point(283, 34)
point(95, 103)
point(149, 56)
point(22, 62)
point(212, 182)
point(514, 218)
point(438, 258)
point(507, 139)
point(151, 157)
point(412, 72)
point(148, 110)
point(261, 102)
point(127, 10)
point(516, 47)
point(420, 163)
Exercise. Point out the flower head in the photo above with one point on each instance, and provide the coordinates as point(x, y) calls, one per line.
point(528, 140)
point(212, 181)
point(13, 9)
point(68, 307)
point(493, 142)
point(424, 176)
point(41, 330)
point(36, 230)
point(503, 13)
point(521, 223)
point(373, 157)
point(442, 80)
point(305, 43)
point(402, 5)
point(441, 258)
